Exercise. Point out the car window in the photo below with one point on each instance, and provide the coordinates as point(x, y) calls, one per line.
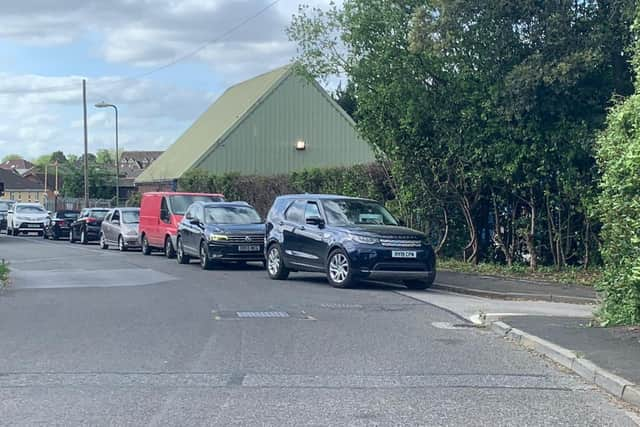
point(311, 210)
point(354, 211)
point(108, 217)
point(131, 217)
point(68, 215)
point(115, 216)
point(4, 206)
point(164, 211)
point(30, 209)
point(295, 213)
point(231, 215)
point(179, 203)
point(99, 214)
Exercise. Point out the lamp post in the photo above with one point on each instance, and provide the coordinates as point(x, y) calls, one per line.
point(105, 105)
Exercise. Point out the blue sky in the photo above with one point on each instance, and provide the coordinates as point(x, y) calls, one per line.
point(47, 47)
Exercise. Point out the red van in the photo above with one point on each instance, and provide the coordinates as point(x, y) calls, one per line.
point(160, 214)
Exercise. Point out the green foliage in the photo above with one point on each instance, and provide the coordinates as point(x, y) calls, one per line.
point(4, 274)
point(618, 207)
point(11, 157)
point(361, 181)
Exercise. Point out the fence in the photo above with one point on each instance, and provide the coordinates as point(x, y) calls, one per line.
point(72, 203)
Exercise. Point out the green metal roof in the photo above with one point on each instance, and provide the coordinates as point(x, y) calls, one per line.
point(211, 127)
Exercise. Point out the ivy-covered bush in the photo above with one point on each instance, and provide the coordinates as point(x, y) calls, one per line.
point(619, 208)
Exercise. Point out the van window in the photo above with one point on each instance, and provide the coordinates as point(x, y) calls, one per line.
point(164, 211)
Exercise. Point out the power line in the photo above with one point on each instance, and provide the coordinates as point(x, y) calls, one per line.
point(155, 70)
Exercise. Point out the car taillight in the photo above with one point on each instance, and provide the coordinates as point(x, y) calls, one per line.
point(91, 220)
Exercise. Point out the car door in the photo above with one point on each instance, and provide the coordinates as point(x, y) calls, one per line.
point(77, 224)
point(291, 237)
point(187, 231)
point(112, 226)
point(104, 228)
point(310, 242)
point(164, 223)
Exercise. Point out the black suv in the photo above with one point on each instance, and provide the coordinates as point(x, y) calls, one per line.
point(86, 227)
point(346, 238)
point(60, 224)
point(220, 231)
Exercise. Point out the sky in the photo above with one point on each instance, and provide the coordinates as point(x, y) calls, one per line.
point(120, 47)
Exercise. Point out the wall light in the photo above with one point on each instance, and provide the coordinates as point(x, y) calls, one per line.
point(300, 145)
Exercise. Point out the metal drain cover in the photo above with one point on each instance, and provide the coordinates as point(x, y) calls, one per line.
point(262, 314)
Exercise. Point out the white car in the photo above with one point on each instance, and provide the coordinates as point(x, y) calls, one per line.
point(26, 218)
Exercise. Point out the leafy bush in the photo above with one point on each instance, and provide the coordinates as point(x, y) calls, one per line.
point(4, 274)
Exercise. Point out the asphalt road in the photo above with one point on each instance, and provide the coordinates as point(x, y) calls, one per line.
point(91, 337)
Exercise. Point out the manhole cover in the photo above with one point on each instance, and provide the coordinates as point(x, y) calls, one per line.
point(262, 314)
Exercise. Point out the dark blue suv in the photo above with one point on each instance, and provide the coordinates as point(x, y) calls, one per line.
point(220, 231)
point(347, 238)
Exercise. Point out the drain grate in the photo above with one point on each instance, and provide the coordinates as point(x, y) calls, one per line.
point(342, 306)
point(262, 314)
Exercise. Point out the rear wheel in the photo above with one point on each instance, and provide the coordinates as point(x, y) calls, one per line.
point(339, 272)
point(275, 264)
point(83, 236)
point(181, 257)
point(72, 238)
point(103, 242)
point(169, 251)
point(44, 235)
point(121, 246)
point(146, 249)
point(205, 262)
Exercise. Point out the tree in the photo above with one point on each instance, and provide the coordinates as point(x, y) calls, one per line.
point(104, 157)
point(9, 157)
point(59, 157)
point(618, 205)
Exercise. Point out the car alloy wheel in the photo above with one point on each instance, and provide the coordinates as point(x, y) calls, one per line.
point(339, 270)
point(205, 262)
point(83, 237)
point(146, 249)
point(181, 257)
point(275, 265)
point(103, 242)
point(71, 237)
point(121, 246)
point(169, 251)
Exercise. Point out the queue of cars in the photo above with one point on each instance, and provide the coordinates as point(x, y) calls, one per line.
point(348, 239)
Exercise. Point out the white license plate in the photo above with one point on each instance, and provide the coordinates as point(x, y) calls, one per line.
point(404, 254)
point(33, 226)
point(249, 248)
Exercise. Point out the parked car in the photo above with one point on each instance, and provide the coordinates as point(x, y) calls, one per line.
point(86, 227)
point(26, 218)
point(348, 239)
point(160, 214)
point(5, 207)
point(213, 232)
point(120, 227)
point(60, 224)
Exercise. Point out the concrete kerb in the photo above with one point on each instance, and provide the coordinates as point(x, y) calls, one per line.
point(512, 296)
point(613, 384)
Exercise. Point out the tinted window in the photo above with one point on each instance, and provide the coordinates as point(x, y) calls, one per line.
point(68, 215)
point(352, 211)
point(295, 213)
point(164, 211)
point(311, 210)
point(4, 206)
point(98, 214)
point(180, 203)
point(115, 216)
point(30, 209)
point(231, 215)
point(131, 217)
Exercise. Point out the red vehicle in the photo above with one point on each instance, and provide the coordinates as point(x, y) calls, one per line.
point(160, 214)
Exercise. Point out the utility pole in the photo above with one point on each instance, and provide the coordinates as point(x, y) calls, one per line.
point(86, 145)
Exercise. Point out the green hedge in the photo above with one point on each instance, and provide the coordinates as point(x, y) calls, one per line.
point(361, 180)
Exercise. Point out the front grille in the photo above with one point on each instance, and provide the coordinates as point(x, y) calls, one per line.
point(242, 239)
point(401, 243)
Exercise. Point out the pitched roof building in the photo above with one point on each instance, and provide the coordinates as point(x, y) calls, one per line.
point(275, 123)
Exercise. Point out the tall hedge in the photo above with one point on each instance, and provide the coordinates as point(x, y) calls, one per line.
point(361, 180)
point(619, 207)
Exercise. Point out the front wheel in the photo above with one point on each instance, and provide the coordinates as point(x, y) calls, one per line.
point(146, 249)
point(275, 264)
point(169, 251)
point(205, 262)
point(339, 272)
point(103, 242)
point(72, 238)
point(121, 246)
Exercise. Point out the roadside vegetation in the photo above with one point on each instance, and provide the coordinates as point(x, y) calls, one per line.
point(4, 274)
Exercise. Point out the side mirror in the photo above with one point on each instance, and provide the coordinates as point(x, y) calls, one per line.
point(49, 213)
point(315, 220)
point(194, 221)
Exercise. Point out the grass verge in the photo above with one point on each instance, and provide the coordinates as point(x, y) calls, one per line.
point(567, 276)
point(4, 274)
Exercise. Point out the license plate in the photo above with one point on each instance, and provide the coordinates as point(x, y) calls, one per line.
point(404, 254)
point(249, 248)
point(33, 226)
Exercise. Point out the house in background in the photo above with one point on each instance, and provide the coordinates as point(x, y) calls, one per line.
point(132, 163)
point(20, 166)
point(22, 189)
point(275, 123)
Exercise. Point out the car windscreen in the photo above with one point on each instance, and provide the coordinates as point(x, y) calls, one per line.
point(180, 203)
point(231, 215)
point(352, 211)
point(98, 214)
point(5, 206)
point(68, 215)
point(30, 210)
point(131, 217)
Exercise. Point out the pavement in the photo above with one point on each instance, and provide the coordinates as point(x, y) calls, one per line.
point(105, 338)
point(513, 289)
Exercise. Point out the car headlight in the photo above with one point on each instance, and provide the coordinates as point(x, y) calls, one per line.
point(217, 237)
point(364, 239)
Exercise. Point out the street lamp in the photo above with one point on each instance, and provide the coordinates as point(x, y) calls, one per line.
point(105, 105)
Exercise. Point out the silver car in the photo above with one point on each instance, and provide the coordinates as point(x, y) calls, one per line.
point(120, 228)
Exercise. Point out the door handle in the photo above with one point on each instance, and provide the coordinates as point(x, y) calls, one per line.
point(281, 223)
point(301, 228)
